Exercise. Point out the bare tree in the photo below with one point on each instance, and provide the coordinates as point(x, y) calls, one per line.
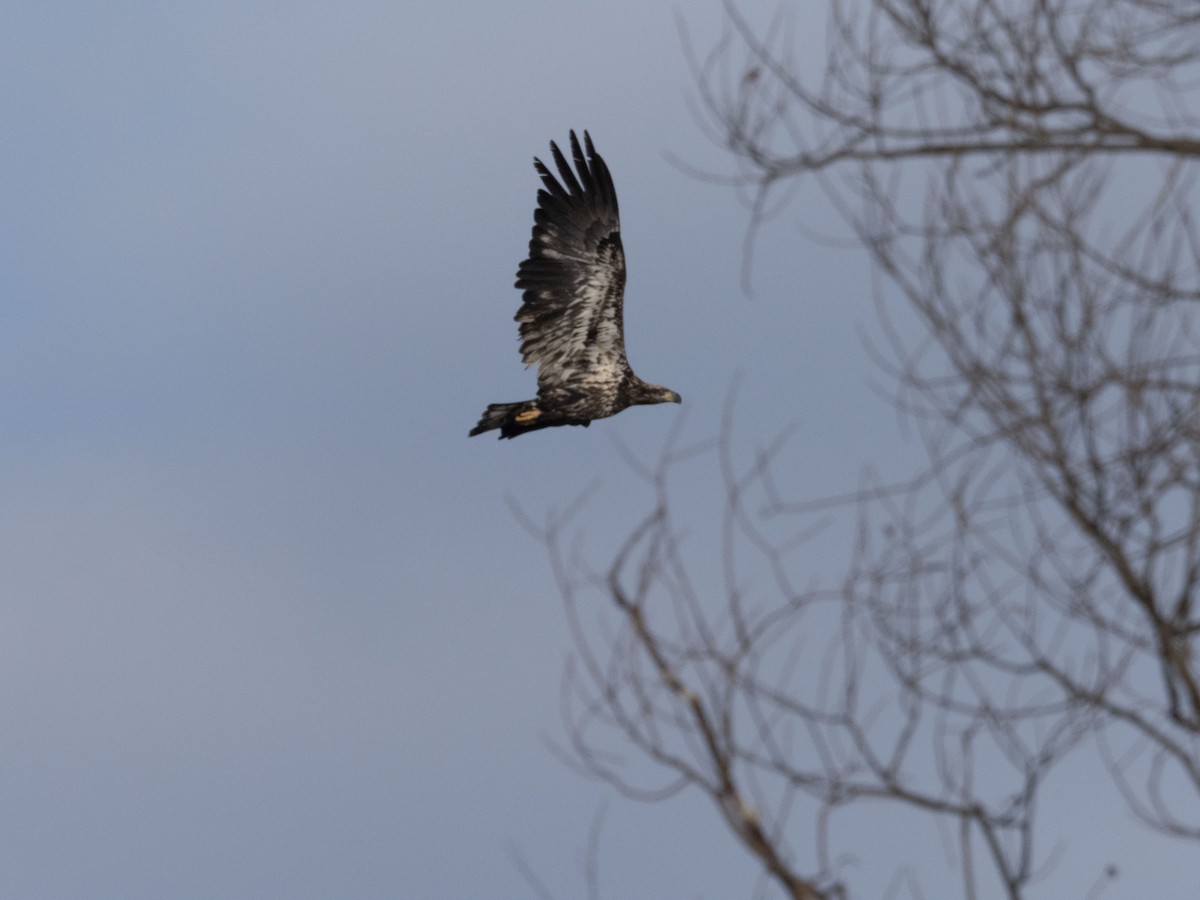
point(1023, 173)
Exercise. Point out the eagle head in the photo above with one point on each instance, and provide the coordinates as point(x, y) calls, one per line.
point(654, 393)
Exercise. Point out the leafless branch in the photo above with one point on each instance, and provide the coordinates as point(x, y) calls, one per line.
point(1024, 177)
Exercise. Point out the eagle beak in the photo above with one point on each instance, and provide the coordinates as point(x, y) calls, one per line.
point(674, 397)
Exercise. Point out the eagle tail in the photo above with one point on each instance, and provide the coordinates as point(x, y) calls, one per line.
point(511, 418)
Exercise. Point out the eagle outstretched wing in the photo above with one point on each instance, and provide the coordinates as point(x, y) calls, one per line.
point(574, 278)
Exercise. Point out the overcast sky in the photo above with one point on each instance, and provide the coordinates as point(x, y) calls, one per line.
point(268, 626)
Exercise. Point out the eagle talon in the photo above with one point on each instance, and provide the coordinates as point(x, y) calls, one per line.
point(524, 418)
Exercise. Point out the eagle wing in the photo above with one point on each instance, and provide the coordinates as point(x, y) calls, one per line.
point(574, 278)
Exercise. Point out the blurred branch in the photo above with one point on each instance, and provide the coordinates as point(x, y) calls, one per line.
point(1032, 590)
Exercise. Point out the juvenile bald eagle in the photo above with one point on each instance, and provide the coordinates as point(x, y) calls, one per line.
point(574, 284)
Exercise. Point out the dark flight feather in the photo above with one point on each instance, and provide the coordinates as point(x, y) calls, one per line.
point(571, 318)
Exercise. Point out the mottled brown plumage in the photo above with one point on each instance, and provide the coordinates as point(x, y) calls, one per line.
point(571, 317)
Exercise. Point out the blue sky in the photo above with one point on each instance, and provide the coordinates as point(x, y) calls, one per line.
point(268, 627)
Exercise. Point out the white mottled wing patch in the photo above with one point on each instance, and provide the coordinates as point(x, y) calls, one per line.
point(574, 280)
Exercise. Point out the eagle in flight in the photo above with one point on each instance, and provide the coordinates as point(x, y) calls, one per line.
point(574, 284)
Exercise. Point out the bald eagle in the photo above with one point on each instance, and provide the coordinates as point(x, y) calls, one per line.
point(574, 284)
